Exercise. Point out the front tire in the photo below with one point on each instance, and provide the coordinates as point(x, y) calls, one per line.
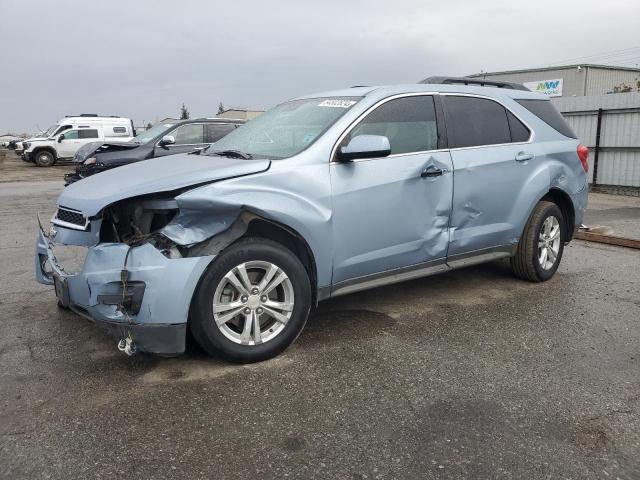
point(44, 158)
point(541, 246)
point(252, 302)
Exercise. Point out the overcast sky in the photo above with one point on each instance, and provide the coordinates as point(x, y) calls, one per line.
point(143, 59)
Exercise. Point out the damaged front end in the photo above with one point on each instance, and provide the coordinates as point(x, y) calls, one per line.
point(142, 260)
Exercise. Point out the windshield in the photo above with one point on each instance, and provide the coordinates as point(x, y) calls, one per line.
point(285, 130)
point(153, 132)
point(48, 131)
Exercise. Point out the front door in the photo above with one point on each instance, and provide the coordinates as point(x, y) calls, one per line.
point(69, 144)
point(392, 212)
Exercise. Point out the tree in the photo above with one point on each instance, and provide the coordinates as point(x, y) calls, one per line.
point(149, 125)
point(220, 108)
point(184, 113)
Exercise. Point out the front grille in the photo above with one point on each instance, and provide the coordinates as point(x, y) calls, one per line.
point(72, 217)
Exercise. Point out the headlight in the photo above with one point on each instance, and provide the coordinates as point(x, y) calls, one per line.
point(90, 161)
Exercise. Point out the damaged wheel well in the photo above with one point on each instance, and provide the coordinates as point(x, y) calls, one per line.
point(290, 239)
point(565, 204)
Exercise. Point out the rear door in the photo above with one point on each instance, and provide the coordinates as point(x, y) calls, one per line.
point(493, 160)
point(393, 212)
point(188, 137)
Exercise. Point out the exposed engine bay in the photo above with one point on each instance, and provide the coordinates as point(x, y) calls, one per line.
point(154, 219)
point(137, 221)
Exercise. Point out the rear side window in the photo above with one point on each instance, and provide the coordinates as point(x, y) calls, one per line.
point(519, 133)
point(473, 122)
point(545, 111)
point(89, 133)
point(409, 123)
point(216, 131)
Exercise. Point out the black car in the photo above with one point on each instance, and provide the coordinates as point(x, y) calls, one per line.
point(161, 140)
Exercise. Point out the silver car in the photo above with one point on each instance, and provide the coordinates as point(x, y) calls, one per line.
point(321, 196)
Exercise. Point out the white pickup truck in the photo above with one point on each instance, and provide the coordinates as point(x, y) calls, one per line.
point(71, 133)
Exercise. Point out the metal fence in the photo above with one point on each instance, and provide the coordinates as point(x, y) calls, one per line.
point(610, 126)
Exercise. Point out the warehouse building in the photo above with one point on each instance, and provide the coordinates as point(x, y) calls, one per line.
point(605, 119)
point(582, 80)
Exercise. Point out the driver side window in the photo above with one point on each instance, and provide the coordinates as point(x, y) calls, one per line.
point(190, 134)
point(70, 134)
point(408, 122)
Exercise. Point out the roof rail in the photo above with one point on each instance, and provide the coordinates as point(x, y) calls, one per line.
point(92, 115)
point(473, 81)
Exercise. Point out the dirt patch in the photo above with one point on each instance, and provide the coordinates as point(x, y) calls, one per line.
point(14, 169)
point(590, 434)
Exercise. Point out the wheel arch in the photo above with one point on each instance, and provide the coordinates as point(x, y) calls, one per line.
point(565, 204)
point(289, 238)
point(48, 148)
point(249, 224)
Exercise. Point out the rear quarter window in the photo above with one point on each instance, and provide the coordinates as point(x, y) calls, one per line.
point(545, 111)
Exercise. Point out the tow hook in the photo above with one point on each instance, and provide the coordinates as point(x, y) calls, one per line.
point(127, 346)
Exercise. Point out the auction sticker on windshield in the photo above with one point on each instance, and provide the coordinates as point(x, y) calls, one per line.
point(337, 103)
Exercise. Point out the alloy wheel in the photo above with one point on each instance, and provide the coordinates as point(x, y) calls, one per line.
point(253, 302)
point(549, 242)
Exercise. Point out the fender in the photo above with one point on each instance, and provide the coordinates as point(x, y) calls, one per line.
point(207, 211)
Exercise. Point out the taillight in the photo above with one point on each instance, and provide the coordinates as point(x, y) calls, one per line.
point(583, 154)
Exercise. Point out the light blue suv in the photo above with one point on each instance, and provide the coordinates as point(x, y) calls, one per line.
point(321, 196)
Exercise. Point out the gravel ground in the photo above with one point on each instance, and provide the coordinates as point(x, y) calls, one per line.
point(471, 374)
point(620, 213)
point(14, 169)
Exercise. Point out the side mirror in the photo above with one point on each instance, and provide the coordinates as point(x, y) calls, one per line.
point(167, 140)
point(60, 138)
point(364, 146)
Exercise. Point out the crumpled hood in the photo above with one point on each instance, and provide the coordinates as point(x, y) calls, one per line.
point(163, 174)
point(87, 150)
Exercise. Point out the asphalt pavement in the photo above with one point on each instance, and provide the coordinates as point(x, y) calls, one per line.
point(471, 374)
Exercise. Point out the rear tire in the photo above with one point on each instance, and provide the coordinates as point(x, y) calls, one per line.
point(44, 158)
point(267, 318)
point(541, 246)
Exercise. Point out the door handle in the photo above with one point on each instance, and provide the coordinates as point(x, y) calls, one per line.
point(523, 156)
point(432, 172)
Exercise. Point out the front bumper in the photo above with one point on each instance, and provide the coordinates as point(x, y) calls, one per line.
point(149, 304)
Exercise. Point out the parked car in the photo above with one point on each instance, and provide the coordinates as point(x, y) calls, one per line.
point(7, 140)
point(62, 140)
point(159, 141)
point(321, 196)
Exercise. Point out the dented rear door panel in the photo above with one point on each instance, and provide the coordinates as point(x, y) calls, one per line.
point(491, 195)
